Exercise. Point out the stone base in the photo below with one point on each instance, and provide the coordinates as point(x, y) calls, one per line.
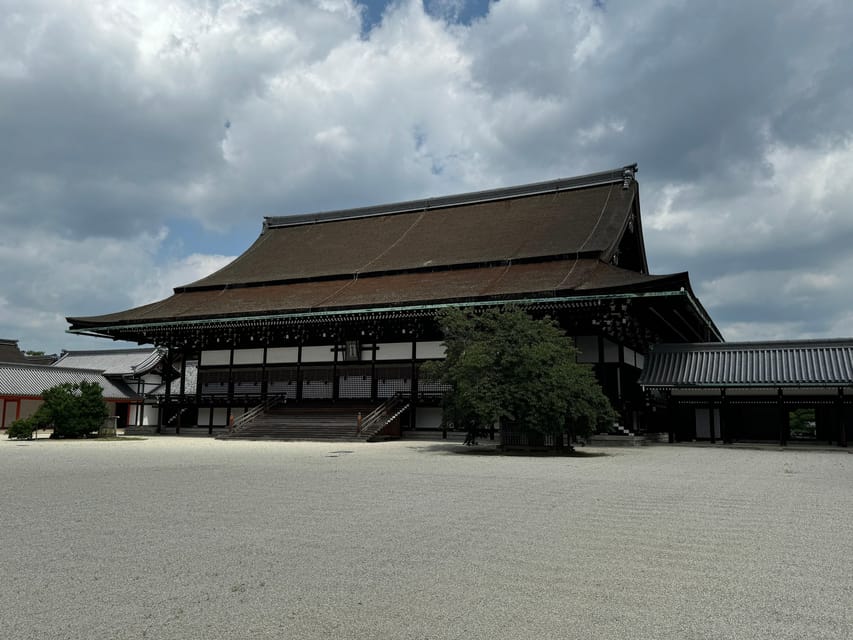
point(602, 440)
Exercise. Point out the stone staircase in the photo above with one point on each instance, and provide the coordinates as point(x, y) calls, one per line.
point(304, 423)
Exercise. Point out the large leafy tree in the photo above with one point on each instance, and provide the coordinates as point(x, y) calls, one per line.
point(504, 366)
point(74, 410)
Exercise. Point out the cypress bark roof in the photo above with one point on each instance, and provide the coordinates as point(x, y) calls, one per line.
point(9, 351)
point(575, 236)
point(500, 282)
point(494, 227)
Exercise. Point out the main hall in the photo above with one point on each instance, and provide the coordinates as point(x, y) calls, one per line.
point(335, 311)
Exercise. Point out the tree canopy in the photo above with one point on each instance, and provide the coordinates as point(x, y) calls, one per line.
point(73, 409)
point(504, 366)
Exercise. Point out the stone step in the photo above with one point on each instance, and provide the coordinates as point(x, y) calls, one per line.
point(315, 423)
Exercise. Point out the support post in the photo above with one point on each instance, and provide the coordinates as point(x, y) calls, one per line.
point(842, 427)
point(264, 381)
point(182, 390)
point(167, 398)
point(413, 391)
point(711, 419)
point(335, 382)
point(230, 397)
point(299, 373)
point(374, 383)
point(670, 406)
point(783, 418)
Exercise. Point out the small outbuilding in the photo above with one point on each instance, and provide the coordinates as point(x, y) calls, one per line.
point(125, 375)
point(791, 391)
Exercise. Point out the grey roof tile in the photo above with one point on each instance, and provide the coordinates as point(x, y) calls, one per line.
point(31, 380)
point(118, 362)
point(799, 363)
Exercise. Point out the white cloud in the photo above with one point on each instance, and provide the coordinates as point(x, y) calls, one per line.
point(120, 119)
point(57, 277)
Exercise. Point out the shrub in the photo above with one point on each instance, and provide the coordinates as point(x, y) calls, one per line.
point(22, 429)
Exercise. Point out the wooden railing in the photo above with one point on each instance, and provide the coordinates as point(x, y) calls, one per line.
point(376, 420)
point(254, 412)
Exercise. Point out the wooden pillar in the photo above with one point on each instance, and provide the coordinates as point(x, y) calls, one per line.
point(725, 436)
point(335, 383)
point(671, 415)
point(230, 397)
point(711, 419)
point(374, 383)
point(299, 373)
point(140, 406)
point(198, 396)
point(167, 398)
point(783, 418)
point(842, 428)
point(182, 390)
point(413, 401)
point(264, 381)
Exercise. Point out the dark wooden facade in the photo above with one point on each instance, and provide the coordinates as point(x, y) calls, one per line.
point(340, 306)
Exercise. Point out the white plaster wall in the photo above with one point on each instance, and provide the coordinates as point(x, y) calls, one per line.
point(278, 355)
point(367, 351)
point(218, 357)
point(248, 356)
point(220, 415)
point(29, 407)
point(10, 408)
point(430, 350)
point(324, 353)
point(394, 351)
point(150, 416)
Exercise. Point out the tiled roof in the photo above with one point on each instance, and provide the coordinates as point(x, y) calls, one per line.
point(112, 362)
point(32, 380)
point(9, 351)
point(750, 364)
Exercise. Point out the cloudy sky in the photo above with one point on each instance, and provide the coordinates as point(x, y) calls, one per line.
point(142, 142)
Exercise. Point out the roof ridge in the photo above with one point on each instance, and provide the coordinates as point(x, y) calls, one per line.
point(623, 174)
point(49, 367)
point(755, 344)
point(108, 351)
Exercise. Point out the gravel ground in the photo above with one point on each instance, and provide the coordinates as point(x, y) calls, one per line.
point(196, 538)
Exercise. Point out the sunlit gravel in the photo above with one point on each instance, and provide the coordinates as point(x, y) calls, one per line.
point(196, 538)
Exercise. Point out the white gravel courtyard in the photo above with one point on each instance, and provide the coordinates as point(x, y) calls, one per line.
point(196, 538)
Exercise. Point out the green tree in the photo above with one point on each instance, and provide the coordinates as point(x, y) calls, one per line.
point(74, 409)
point(503, 366)
point(21, 429)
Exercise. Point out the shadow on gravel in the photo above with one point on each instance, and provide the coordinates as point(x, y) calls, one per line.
point(491, 450)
